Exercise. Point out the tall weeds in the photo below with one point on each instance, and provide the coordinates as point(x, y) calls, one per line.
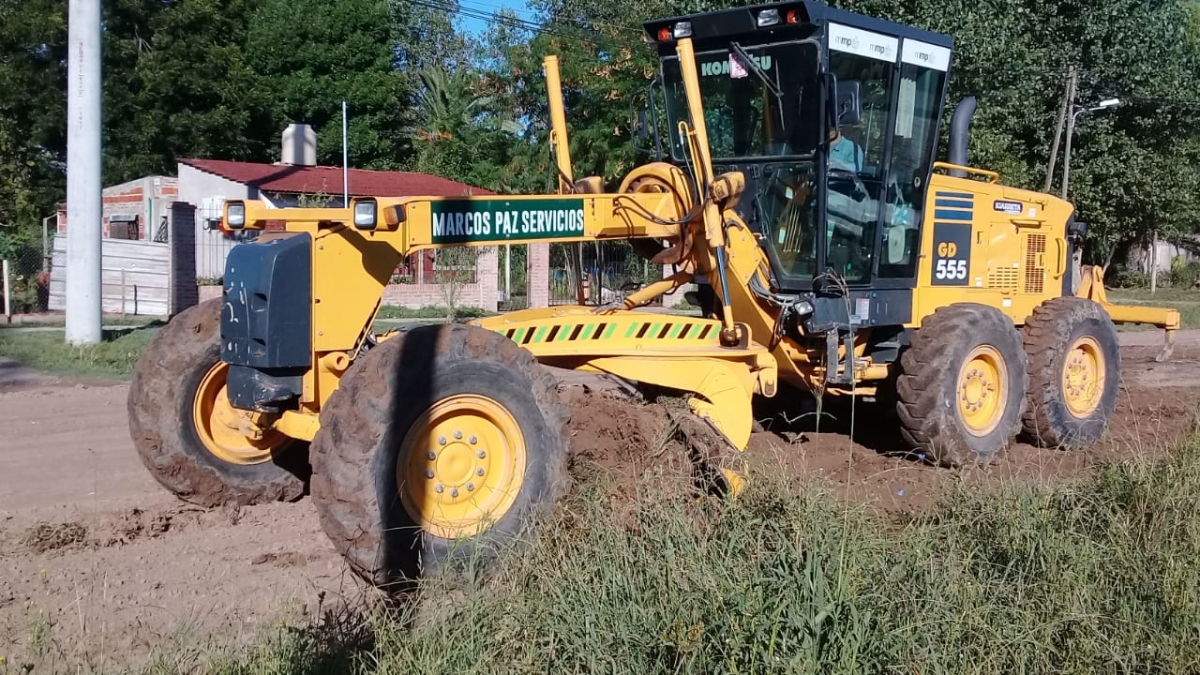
point(1098, 576)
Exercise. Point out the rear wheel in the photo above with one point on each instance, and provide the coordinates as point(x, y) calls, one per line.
point(1074, 372)
point(439, 446)
point(193, 442)
point(961, 390)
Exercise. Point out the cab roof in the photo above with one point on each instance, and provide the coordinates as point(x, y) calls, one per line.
point(743, 20)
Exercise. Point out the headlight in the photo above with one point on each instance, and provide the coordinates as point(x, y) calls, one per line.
point(365, 214)
point(235, 215)
point(803, 308)
point(768, 17)
point(683, 29)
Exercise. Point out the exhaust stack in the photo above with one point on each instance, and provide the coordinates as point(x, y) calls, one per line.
point(960, 131)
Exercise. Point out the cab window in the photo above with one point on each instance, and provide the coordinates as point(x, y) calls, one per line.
point(856, 172)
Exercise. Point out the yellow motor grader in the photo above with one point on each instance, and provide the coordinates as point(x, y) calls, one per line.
point(799, 182)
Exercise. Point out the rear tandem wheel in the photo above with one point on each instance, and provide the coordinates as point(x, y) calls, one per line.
point(961, 390)
point(1074, 372)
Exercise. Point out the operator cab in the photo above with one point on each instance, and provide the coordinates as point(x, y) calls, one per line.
point(833, 119)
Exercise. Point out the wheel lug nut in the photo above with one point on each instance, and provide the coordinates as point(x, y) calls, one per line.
point(470, 487)
point(438, 488)
point(441, 440)
point(472, 440)
point(481, 454)
point(453, 492)
point(458, 435)
point(479, 471)
point(432, 455)
point(429, 473)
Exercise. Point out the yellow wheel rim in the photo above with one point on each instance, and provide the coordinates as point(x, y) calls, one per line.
point(465, 466)
point(982, 386)
point(1083, 377)
point(220, 426)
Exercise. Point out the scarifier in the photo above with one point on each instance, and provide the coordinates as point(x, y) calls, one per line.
point(798, 187)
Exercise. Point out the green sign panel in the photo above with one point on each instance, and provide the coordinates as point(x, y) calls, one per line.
point(462, 221)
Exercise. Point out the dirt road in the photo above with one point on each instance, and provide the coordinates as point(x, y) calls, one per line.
point(100, 564)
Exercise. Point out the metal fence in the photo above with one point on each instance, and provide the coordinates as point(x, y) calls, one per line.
point(610, 271)
point(513, 277)
point(213, 245)
point(25, 267)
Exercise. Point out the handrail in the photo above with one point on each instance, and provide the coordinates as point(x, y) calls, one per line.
point(991, 175)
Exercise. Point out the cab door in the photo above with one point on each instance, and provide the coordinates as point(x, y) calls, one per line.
point(920, 97)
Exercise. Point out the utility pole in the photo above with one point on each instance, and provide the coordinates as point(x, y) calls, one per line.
point(83, 280)
point(1075, 113)
point(345, 157)
point(1068, 100)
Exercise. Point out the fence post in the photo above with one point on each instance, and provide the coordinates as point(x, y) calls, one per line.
point(181, 242)
point(1154, 262)
point(7, 293)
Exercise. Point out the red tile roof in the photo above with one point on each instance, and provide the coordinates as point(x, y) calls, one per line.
point(328, 179)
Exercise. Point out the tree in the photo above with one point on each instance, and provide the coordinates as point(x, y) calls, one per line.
point(311, 54)
point(32, 110)
point(178, 83)
point(461, 134)
point(453, 268)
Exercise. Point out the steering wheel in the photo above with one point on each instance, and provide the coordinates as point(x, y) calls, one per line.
point(860, 190)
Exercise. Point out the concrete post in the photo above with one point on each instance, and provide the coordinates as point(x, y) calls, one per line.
point(538, 275)
point(83, 280)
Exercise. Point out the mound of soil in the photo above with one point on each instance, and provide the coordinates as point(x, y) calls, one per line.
point(47, 537)
point(625, 445)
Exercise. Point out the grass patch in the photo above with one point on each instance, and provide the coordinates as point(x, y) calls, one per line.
point(46, 349)
point(430, 312)
point(1143, 295)
point(1186, 301)
point(1096, 576)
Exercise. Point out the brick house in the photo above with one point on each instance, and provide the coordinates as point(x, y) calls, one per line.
point(136, 210)
point(208, 183)
point(139, 210)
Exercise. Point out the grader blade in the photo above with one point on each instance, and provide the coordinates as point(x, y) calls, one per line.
point(1092, 288)
point(674, 352)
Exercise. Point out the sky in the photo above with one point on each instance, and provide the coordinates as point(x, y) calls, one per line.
point(478, 26)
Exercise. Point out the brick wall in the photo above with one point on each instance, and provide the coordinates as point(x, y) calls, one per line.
point(149, 199)
point(483, 293)
point(539, 276)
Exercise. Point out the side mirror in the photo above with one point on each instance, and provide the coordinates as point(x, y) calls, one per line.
point(644, 124)
point(848, 102)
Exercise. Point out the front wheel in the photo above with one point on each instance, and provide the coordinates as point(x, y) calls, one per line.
point(438, 446)
point(191, 439)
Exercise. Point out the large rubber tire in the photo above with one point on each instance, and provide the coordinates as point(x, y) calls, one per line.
point(359, 447)
point(1056, 326)
point(929, 387)
point(161, 422)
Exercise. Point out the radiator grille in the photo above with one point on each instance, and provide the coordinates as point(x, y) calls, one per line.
point(1035, 270)
point(1004, 279)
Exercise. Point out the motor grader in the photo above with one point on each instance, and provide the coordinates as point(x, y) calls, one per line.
point(798, 181)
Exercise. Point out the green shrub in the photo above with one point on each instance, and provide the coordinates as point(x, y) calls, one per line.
point(1184, 274)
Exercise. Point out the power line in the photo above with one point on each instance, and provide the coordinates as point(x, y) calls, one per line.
point(586, 30)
